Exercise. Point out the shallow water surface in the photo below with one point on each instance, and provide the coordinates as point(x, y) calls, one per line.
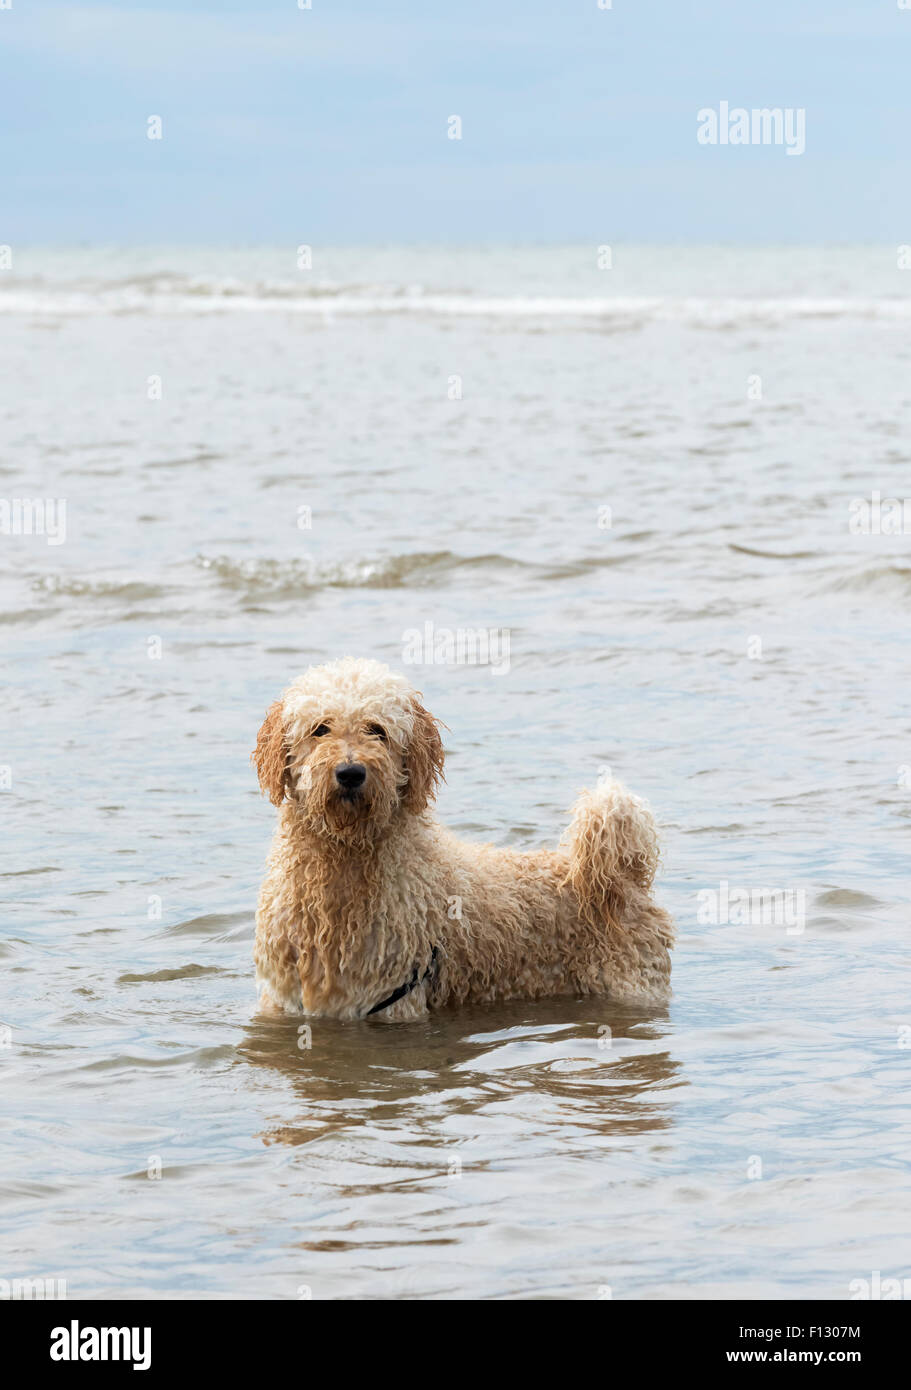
point(726, 645)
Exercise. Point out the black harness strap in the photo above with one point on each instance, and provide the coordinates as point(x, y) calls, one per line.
point(405, 989)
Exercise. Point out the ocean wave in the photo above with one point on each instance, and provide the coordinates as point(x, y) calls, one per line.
point(130, 590)
point(886, 580)
point(255, 580)
point(291, 578)
point(171, 293)
point(772, 554)
point(261, 578)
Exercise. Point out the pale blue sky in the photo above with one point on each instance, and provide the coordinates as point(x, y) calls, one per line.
point(329, 125)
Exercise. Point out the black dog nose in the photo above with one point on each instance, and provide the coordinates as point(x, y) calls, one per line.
point(350, 776)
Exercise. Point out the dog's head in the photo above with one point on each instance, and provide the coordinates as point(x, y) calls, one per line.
point(353, 747)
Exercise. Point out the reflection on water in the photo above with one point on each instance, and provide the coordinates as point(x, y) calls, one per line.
point(581, 1064)
point(423, 1132)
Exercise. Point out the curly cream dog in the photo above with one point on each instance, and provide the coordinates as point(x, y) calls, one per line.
point(370, 908)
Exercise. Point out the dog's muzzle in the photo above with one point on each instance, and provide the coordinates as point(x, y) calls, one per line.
point(350, 778)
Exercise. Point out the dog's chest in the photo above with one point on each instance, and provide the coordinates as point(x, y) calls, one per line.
point(352, 954)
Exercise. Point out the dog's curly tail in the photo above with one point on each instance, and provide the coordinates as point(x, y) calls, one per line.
point(611, 844)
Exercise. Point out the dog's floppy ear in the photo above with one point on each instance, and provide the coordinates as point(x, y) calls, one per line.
point(271, 755)
point(423, 760)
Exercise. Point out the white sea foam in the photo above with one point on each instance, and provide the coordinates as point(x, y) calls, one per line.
point(154, 295)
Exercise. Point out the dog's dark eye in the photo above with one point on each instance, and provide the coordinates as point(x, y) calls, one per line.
point(319, 731)
point(377, 731)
